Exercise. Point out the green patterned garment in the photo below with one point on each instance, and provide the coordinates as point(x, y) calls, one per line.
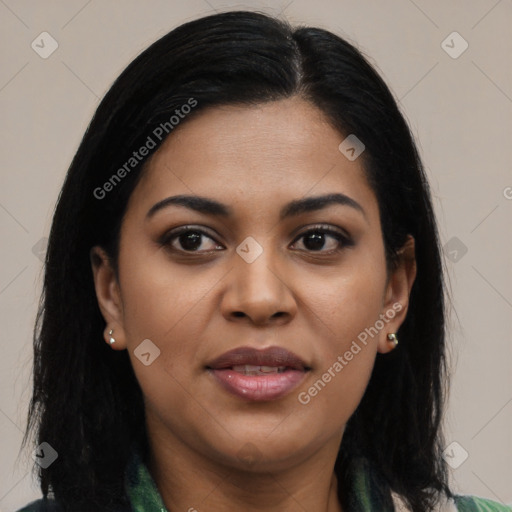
point(364, 495)
point(144, 495)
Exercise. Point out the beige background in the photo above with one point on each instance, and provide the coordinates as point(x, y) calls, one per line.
point(459, 109)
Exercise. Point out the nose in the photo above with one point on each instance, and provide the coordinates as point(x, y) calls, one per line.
point(258, 292)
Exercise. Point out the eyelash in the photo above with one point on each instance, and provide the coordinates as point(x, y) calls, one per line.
point(343, 240)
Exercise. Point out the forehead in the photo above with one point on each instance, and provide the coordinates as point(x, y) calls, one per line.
point(271, 152)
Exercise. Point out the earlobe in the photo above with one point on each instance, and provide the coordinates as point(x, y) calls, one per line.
point(108, 296)
point(396, 299)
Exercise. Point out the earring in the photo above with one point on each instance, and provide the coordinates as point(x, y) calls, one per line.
point(392, 337)
point(112, 340)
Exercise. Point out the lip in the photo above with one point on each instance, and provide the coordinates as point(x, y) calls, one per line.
point(267, 387)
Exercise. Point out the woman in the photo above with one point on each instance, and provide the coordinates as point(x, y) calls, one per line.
point(243, 301)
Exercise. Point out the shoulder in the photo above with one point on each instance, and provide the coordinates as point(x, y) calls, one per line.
point(41, 505)
point(476, 504)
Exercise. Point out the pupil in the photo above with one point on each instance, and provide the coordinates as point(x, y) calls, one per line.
point(317, 241)
point(191, 240)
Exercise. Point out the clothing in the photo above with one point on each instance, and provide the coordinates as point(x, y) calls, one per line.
point(144, 496)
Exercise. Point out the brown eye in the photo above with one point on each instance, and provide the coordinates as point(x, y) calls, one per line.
point(187, 239)
point(323, 239)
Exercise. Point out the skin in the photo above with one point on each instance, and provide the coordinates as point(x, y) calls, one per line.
point(195, 307)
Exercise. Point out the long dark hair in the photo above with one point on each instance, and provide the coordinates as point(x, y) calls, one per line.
point(87, 403)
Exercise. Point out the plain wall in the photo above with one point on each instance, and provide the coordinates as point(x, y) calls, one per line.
point(460, 110)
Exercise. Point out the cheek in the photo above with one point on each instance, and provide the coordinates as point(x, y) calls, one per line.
point(347, 303)
point(167, 304)
point(334, 393)
point(345, 352)
point(160, 298)
point(347, 306)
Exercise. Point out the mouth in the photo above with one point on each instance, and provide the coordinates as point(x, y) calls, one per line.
point(258, 375)
point(253, 370)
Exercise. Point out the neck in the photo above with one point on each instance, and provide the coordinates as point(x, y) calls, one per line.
point(190, 481)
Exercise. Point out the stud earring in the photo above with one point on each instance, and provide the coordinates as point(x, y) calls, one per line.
point(392, 337)
point(112, 340)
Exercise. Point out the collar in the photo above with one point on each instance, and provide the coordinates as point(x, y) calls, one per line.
point(364, 493)
point(140, 487)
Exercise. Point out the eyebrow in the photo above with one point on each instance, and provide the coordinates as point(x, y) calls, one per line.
point(212, 207)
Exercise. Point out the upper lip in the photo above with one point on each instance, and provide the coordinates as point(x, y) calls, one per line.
point(271, 356)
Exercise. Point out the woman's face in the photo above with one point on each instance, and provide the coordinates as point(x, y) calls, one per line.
point(250, 274)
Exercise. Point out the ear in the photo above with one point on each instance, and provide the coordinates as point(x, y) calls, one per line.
point(108, 295)
point(396, 296)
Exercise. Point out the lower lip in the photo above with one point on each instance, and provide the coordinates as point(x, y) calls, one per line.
point(259, 387)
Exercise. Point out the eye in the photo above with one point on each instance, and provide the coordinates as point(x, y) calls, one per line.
point(323, 237)
point(189, 239)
